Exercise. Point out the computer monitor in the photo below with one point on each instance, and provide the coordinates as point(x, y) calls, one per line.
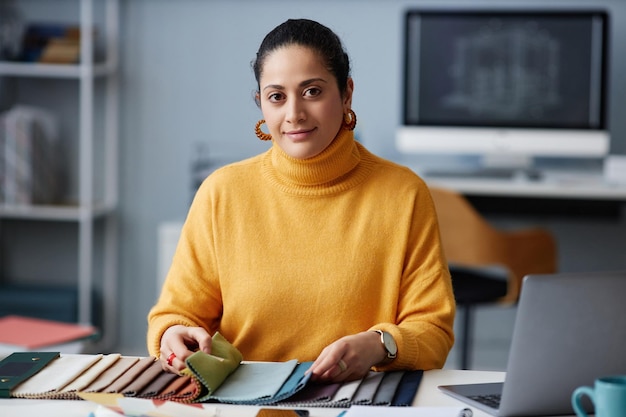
point(507, 85)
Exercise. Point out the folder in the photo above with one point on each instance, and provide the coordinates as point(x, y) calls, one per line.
point(19, 333)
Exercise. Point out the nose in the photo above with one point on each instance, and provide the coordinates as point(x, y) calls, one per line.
point(295, 111)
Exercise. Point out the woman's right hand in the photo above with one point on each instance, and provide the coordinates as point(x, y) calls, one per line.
point(179, 342)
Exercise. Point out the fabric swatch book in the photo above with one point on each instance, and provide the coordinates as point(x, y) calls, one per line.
point(18, 333)
point(219, 377)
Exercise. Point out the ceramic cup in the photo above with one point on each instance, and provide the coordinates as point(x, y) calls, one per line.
point(608, 396)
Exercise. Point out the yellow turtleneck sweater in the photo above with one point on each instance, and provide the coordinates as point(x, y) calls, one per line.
point(284, 256)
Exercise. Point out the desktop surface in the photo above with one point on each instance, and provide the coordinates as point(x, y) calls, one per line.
point(428, 395)
point(540, 184)
point(549, 179)
point(543, 193)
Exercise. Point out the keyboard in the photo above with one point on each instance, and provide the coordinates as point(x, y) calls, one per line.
point(492, 400)
point(485, 173)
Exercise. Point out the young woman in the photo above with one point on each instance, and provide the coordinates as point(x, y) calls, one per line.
point(315, 250)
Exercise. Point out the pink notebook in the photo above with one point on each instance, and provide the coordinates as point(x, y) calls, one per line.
point(33, 333)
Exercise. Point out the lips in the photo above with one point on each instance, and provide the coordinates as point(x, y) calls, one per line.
point(299, 135)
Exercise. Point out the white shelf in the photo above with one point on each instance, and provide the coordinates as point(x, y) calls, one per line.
point(72, 71)
point(88, 207)
point(70, 213)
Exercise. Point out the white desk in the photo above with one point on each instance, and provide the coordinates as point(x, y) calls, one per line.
point(557, 184)
point(575, 179)
point(428, 395)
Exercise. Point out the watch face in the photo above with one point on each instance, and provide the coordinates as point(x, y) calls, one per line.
point(390, 345)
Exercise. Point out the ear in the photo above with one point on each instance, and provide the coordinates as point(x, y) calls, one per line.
point(347, 97)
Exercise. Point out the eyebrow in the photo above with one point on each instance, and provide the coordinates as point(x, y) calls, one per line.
point(302, 84)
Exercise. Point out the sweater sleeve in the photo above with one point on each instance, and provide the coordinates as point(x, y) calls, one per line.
point(426, 308)
point(191, 293)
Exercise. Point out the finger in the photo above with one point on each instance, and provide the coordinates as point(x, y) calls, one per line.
point(335, 372)
point(173, 354)
point(331, 371)
point(322, 366)
point(172, 362)
point(202, 339)
point(169, 361)
point(179, 346)
point(331, 359)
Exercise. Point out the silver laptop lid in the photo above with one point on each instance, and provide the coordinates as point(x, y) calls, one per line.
point(569, 329)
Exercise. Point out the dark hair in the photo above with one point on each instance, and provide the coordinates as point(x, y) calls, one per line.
point(310, 34)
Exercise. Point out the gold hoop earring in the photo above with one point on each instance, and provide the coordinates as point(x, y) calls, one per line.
point(349, 120)
point(259, 133)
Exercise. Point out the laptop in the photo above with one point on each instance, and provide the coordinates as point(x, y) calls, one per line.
point(569, 330)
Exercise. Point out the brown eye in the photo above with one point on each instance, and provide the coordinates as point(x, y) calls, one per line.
point(313, 92)
point(275, 97)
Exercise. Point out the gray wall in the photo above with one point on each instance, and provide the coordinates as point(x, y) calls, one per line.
point(186, 80)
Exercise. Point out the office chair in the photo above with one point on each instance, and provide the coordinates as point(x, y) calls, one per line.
point(487, 264)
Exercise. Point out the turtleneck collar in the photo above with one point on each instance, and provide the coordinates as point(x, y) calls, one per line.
point(322, 172)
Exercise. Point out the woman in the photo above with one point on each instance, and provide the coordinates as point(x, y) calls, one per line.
point(315, 250)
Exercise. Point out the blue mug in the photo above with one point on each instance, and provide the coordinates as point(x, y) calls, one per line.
point(608, 396)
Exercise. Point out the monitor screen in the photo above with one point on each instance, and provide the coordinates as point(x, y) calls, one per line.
point(481, 81)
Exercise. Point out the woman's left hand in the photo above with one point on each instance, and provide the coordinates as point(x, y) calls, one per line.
point(348, 358)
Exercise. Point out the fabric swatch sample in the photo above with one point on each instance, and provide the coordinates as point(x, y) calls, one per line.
point(174, 387)
point(296, 382)
point(256, 381)
point(20, 366)
point(407, 389)
point(91, 374)
point(211, 370)
point(130, 375)
point(116, 370)
point(387, 388)
point(54, 377)
point(160, 383)
point(189, 391)
point(369, 387)
point(143, 379)
point(345, 393)
point(316, 394)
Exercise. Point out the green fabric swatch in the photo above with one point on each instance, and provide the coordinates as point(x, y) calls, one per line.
point(213, 369)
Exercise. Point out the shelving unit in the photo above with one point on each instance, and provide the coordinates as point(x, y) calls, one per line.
point(89, 207)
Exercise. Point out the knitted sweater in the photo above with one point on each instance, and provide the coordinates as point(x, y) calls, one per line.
point(284, 256)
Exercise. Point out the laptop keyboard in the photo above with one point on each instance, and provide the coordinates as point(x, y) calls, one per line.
point(492, 400)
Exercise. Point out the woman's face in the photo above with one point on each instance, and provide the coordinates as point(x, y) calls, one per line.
point(301, 102)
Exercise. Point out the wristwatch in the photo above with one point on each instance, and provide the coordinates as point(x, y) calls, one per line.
point(389, 344)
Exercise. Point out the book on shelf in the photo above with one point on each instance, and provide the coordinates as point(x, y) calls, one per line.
point(51, 43)
point(20, 333)
point(30, 156)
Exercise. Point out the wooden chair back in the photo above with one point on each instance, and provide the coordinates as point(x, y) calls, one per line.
point(470, 240)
